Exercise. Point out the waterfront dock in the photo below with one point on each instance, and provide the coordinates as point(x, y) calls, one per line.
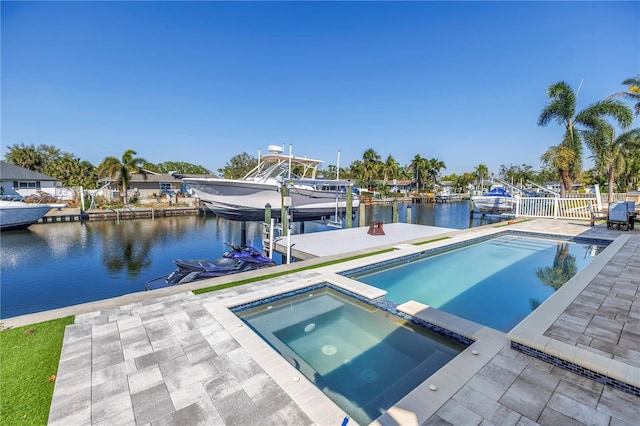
point(340, 241)
point(127, 213)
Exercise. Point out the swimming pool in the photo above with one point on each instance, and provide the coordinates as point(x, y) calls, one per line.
point(496, 282)
point(363, 358)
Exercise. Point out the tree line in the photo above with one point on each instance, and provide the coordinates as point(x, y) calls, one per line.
point(604, 127)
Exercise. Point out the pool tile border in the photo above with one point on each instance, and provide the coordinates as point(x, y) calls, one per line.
point(577, 369)
point(528, 336)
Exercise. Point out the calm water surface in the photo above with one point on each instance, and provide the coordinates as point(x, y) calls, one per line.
point(51, 266)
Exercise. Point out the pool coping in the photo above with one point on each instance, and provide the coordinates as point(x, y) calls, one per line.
point(529, 333)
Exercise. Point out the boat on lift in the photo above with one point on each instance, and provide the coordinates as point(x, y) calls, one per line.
point(497, 200)
point(245, 199)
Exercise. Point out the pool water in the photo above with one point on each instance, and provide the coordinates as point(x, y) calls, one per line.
point(496, 283)
point(363, 358)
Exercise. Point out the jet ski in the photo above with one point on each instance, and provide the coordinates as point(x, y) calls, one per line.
point(238, 259)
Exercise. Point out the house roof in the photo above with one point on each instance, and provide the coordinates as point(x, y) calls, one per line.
point(10, 171)
point(151, 177)
point(156, 177)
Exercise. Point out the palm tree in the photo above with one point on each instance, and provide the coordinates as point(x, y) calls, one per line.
point(417, 166)
point(391, 168)
point(633, 94)
point(357, 172)
point(371, 162)
point(562, 108)
point(610, 152)
point(112, 167)
point(433, 169)
point(26, 156)
point(480, 172)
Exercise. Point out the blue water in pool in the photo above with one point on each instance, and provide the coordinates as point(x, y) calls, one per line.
point(363, 358)
point(496, 283)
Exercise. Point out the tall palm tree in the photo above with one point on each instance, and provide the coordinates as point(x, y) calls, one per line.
point(357, 172)
point(633, 94)
point(433, 169)
point(418, 165)
point(562, 108)
point(481, 171)
point(391, 168)
point(610, 152)
point(371, 161)
point(113, 167)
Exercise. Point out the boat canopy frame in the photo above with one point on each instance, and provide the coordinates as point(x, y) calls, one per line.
point(272, 166)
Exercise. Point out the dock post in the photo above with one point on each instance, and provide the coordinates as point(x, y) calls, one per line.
point(243, 233)
point(271, 229)
point(284, 211)
point(349, 208)
point(267, 213)
point(361, 217)
point(394, 211)
point(408, 214)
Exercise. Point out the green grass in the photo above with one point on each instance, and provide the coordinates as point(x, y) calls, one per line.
point(29, 356)
point(432, 241)
point(292, 271)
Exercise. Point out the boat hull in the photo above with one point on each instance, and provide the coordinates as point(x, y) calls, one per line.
point(19, 215)
point(242, 200)
point(493, 204)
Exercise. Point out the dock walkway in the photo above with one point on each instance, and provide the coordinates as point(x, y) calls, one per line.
point(340, 241)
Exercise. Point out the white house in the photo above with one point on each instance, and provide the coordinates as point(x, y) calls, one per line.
point(18, 181)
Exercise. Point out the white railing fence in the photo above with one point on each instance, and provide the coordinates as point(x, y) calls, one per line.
point(556, 208)
point(618, 197)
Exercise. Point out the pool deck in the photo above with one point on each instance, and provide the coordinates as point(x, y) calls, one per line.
point(174, 358)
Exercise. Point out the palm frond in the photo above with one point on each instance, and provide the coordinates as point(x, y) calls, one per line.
point(614, 109)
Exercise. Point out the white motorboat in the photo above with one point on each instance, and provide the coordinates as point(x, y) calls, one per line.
point(16, 214)
point(245, 199)
point(497, 200)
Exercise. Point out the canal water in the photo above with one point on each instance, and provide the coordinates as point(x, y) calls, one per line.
point(55, 265)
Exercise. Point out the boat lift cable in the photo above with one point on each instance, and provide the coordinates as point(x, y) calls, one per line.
point(554, 193)
point(513, 188)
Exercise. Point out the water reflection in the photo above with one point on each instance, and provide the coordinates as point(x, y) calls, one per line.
point(555, 276)
point(564, 267)
point(60, 264)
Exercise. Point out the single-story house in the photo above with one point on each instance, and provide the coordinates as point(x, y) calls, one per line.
point(397, 186)
point(149, 186)
point(22, 182)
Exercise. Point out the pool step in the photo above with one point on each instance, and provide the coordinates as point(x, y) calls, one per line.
point(523, 243)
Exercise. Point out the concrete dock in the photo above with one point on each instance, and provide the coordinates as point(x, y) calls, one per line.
point(341, 241)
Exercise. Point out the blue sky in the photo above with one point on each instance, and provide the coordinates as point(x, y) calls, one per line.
point(463, 82)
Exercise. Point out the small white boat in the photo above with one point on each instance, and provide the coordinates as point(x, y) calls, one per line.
point(16, 214)
point(245, 199)
point(495, 201)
